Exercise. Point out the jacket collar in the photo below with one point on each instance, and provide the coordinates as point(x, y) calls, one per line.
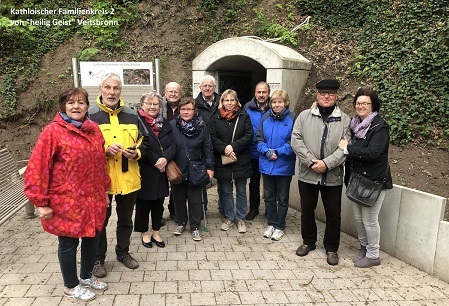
point(107, 109)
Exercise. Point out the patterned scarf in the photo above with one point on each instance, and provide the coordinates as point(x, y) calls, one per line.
point(192, 128)
point(281, 115)
point(154, 123)
point(359, 128)
point(229, 115)
point(66, 118)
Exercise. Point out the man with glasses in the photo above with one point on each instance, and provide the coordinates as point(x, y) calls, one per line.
point(315, 138)
point(120, 128)
point(207, 103)
point(170, 111)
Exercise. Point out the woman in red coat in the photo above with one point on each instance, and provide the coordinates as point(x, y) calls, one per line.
point(67, 180)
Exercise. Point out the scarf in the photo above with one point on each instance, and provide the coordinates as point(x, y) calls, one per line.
point(192, 128)
point(154, 123)
point(229, 115)
point(281, 115)
point(360, 128)
point(66, 118)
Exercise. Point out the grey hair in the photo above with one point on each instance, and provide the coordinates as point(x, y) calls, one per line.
point(207, 77)
point(151, 94)
point(111, 75)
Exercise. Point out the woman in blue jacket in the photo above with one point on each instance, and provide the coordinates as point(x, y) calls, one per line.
point(277, 161)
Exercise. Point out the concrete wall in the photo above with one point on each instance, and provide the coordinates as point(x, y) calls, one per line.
point(412, 227)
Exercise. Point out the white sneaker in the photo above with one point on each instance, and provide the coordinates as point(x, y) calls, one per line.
point(227, 225)
point(196, 236)
point(93, 283)
point(268, 232)
point(79, 293)
point(277, 235)
point(241, 226)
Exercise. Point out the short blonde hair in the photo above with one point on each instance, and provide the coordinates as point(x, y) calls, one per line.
point(280, 94)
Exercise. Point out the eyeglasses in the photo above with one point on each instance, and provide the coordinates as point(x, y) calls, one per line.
point(229, 100)
point(186, 109)
point(325, 92)
point(364, 104)
point(172, 92)
point(151, 104)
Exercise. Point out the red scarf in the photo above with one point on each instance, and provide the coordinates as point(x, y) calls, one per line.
point(154, 123)
point(229, 115)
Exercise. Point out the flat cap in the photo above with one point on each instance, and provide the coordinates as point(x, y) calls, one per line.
point(328, 84)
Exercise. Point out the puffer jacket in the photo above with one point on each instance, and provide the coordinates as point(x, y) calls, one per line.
point(255, 113)
point(275, 133)
point(221, 134)
point(67, 171)
point(313, 138)
point(120, 126)
point(369, 156)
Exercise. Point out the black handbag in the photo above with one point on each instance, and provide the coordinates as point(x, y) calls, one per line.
point(197, 175)
point(364, 191)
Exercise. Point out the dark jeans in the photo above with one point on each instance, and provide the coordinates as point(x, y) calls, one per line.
point(277, 194)
point(67, 258)
point(183, 193)
point(331, 197)
point(204, 196)
point(254, 186)
point(143, 210)
point(124, 209)
point(228, 198)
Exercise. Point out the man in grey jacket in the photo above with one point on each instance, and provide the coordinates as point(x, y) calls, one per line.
point(315, 138)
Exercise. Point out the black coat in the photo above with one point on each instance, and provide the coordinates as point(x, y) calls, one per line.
point(369, 156)
point(221, 135)
point(204, 110)
point(154, 182)
point(200, 149)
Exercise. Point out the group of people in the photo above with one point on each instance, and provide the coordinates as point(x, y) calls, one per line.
point(92, 154)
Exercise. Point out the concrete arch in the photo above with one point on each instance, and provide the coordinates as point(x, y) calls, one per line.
point(278, 65)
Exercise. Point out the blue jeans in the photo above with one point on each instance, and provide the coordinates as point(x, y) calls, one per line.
point(67, 258)
point(277, 193)
point(367, 224)
point(228, 198)
point(220, 196)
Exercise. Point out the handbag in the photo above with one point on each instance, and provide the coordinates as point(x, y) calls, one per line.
point(172, 171)
point(174, 174)
point(197, 172)
point(364, 191)
point(227, 160)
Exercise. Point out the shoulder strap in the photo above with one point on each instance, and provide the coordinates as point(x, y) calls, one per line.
point(235, 126)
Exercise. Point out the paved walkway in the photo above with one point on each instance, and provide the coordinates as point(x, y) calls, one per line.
point(226, 268)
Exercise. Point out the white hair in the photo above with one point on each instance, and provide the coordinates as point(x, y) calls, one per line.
point(113, 76)
point(207, 77)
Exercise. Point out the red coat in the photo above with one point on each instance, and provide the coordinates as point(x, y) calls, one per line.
point(68, 172)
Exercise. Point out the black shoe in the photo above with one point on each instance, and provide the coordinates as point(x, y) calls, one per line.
point(147, 244)
point(252, 214)
point(160, 244)
point(332, 258)
point(128, 261)
point(304, 249)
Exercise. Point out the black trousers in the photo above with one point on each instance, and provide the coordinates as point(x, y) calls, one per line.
point(331, 197)
point(183, 193)
point(143, 210)
point(124, 209)
point(254, 186)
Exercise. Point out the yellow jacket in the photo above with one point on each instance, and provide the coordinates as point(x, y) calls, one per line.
point(119, 126)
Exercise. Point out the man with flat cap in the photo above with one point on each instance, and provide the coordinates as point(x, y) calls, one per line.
point(315, 137)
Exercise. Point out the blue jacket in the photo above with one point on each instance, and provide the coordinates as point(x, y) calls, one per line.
point(275, 133)
point(255, 114)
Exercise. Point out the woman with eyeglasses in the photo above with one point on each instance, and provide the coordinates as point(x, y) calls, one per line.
point(276, 161)
point(192, 140)
point(161, 150)
point(231, 132)
point(367, 153)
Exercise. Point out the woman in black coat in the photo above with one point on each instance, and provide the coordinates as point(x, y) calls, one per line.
point(192, 138)
point(368, 156)
point(235, 146)
point(154, 188)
